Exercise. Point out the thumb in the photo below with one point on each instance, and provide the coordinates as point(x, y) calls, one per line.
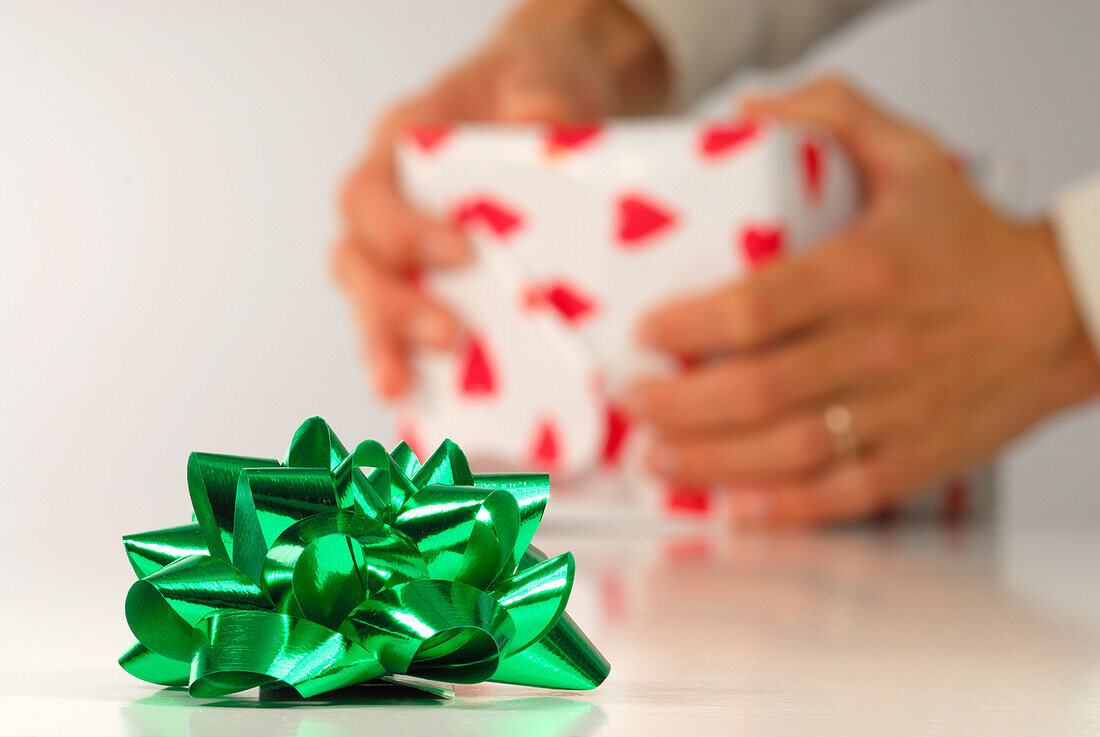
point(877, 141)
point(533, 102)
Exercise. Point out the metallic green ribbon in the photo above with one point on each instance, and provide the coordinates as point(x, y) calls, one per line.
point(313, 574)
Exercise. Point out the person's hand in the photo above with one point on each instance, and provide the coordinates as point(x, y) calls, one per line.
point(911, 346)
point(551, 62)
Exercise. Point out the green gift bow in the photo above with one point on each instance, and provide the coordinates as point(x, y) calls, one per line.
point(313, 574)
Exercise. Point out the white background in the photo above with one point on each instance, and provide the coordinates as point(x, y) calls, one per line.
point(167, 172)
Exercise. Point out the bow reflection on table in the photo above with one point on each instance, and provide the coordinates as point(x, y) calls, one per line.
point(171, 713)
point(311, 574)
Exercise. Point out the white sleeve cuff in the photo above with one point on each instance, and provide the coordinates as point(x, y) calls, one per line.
point(705, 40)
point(1076, 214)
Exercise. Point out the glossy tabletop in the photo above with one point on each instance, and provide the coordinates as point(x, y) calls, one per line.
point(902, 631)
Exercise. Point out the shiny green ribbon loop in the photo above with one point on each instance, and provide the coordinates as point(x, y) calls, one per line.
point(235, 651)
point(212, 482)
point(535, 598)
point(165, 606)
point(531, 492)
point(326, 565)
point(315, 574)
point(314, 445)
point(439, 630)
point(464, 533)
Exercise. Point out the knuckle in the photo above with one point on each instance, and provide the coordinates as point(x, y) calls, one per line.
point(920, 156)
point(845, 104)
point(810, 445)
point(392, 244)
point(869, 484)
point(889, 351)
point(748, 314)
point(757, 392)
point(876, 274)
point(835, 86)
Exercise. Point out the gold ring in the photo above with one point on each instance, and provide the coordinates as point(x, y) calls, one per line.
point(838, 422)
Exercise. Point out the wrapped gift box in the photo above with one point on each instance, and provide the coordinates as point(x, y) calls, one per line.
point(578, 231)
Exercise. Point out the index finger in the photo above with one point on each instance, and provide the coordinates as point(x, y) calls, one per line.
point(376, 212)
point(779, 300)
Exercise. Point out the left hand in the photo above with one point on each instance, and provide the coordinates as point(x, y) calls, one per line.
point(938, 327)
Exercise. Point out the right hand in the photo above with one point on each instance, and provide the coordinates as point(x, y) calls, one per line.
point(541, 67)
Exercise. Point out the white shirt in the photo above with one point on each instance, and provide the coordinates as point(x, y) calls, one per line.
point(705, 40)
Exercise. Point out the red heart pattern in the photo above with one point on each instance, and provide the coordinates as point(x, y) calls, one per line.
point(720, 139)
point(546, 448)
point(687, 500)
point(761, 244)
point(428, 138)
point(813, 162)
point(566, 138)
point(573, 304)
point(616, 428)
point(642, 215)
point(500, 219)
point(640, 219)
point(477, 378)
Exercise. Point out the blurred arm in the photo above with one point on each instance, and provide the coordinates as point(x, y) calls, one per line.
point(1077, 223)
point(615, 42)
point(705, 40)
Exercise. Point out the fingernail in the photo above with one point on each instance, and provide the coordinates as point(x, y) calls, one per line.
point(750, 506)
point(431, 328)
point(444, 250)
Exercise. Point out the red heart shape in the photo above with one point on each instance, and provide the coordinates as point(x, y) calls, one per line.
point(687, 500)
point(812, 157)
point(640, 219)
point(500, 219)
point(477, 377)
point(428, 137)
point(719, 139)
point(573, 304)
point(616, 428)
point(563, 138)
point(545, 449)
point(761, 243)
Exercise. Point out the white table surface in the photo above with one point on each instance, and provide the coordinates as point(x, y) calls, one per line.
point(900, 632)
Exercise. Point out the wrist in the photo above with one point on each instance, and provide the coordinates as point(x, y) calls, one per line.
point(616, 42)
point(1076, 377)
